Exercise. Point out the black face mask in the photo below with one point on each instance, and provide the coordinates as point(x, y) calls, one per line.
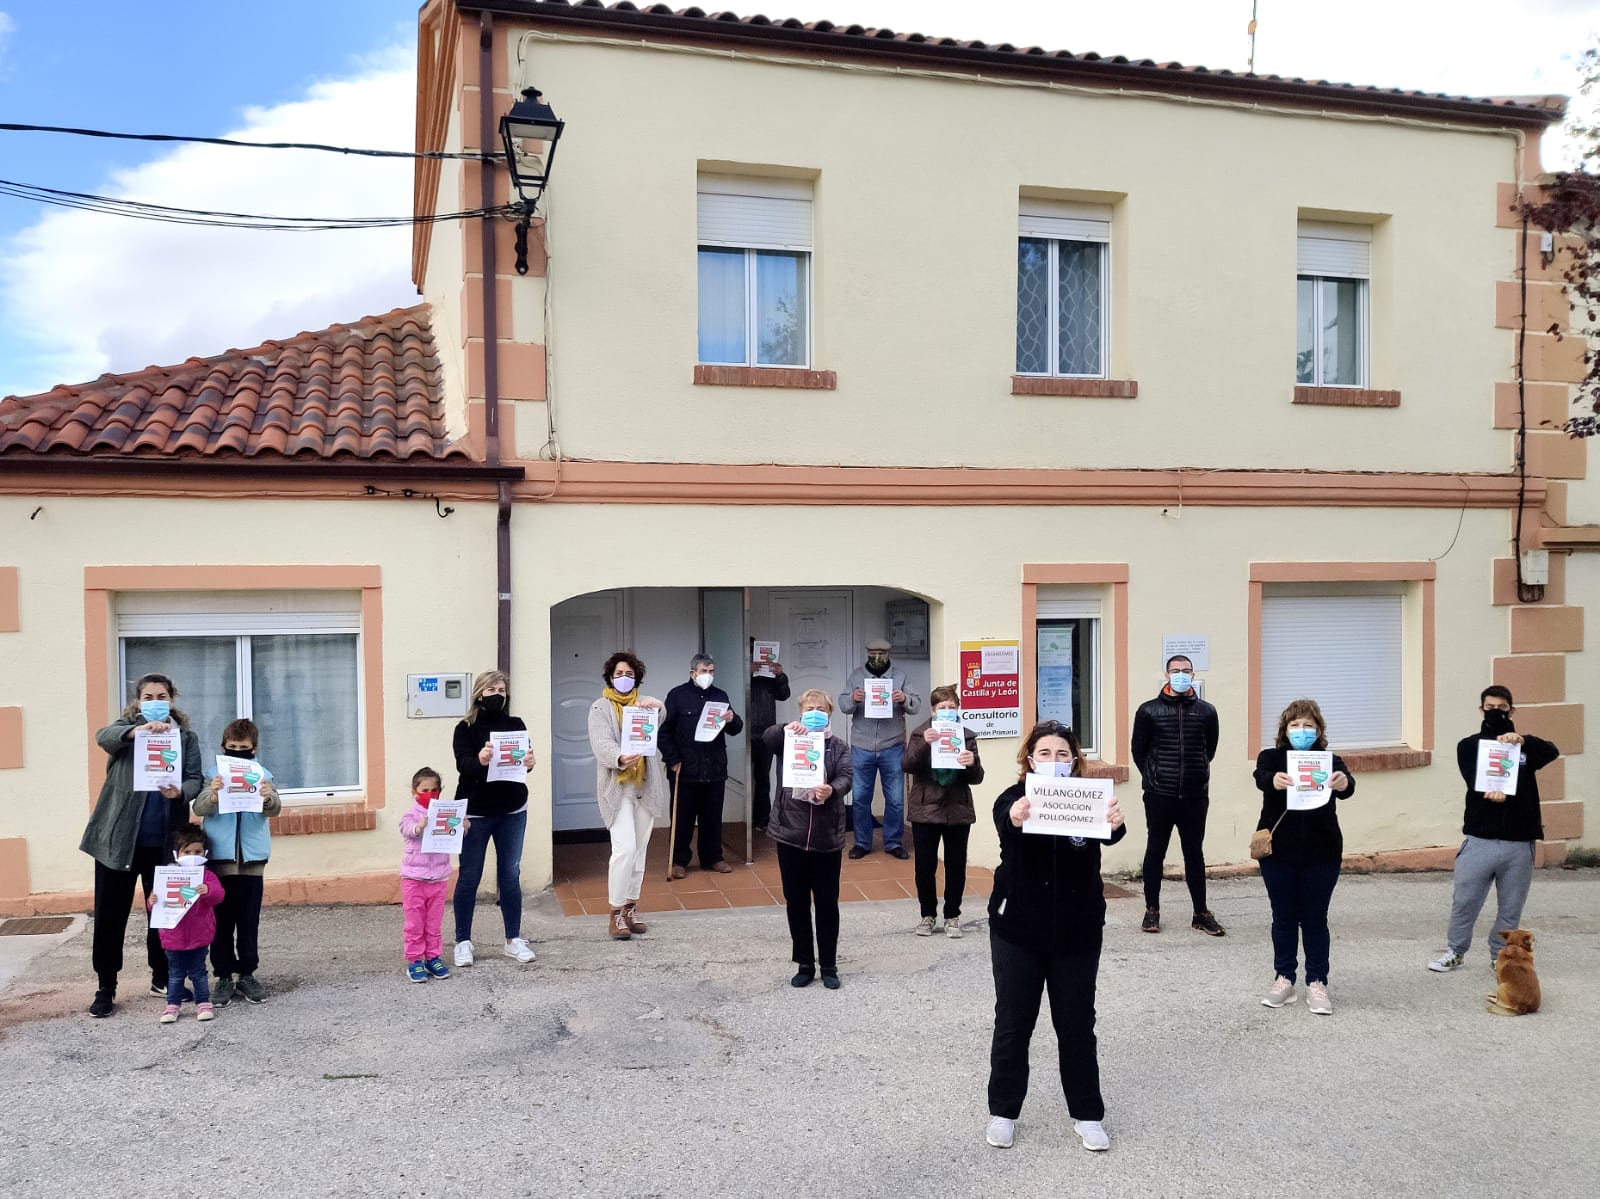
point(878, 666)
point(1497, 721)
point(248, 755)
point(491, 705)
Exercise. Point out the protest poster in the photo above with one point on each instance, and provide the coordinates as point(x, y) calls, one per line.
point(991, 703)
point(157, 760)
point(508, 757)
point(241, 784)
point(1068, 807)
point(176, 890)
point(950, 740)
point(879, 699)
point(640, 727)
point(1498, 765)
point(712, 717)
point(762, 655)
point(446, 827)
point(802, 760)
point(1310, 772)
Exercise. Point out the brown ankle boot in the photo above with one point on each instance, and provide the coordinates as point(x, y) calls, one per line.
point(619, 926)
point(630, 913)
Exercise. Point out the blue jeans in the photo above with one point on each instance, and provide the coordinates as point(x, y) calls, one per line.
point(507, 832)
point(1300, 896)
point(885, 764)
point(188, 964)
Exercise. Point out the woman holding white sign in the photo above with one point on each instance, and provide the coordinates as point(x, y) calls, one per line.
point(497, 803)
point(631, 788)
point(1046, 918)
point(127, 834)
point(1299, 780)
point(939, 807)
point(807, 823)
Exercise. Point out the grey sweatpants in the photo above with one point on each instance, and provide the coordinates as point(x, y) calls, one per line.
point(1479, 862)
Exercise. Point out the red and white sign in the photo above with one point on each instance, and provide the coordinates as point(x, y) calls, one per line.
point(991, 688)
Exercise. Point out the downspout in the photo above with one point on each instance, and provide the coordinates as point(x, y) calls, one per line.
point(491, 338)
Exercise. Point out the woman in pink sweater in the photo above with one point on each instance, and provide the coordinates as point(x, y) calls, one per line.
point(188, 942)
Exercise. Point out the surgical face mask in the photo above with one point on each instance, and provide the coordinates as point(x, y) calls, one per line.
point(155, 710)
point(622, 685)
point(815, 720)
point(191, 859)
point(1302, 738)
point(491, 705)
point(949, 714)
point(704, 679)
point(1060, 770)
point(1181, 681)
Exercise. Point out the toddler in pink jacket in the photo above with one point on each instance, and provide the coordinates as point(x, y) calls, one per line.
point(424, 880)
point(190, 940)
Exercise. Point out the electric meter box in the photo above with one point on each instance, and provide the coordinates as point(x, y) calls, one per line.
point(437, 695)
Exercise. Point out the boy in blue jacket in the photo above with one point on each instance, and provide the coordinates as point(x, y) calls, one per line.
point(240, 845)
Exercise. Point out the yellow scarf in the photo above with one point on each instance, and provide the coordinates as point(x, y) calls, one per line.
point(633, 773)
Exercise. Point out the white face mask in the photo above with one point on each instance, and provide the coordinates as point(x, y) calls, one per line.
point(622, 686)
point(704, 679)
point(1060, 770)
point(191, 859)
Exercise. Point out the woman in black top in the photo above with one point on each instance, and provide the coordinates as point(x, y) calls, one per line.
point(1046, 916)
point(1303, 867)
point(498, 811)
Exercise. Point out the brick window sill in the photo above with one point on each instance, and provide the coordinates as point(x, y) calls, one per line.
point(1094, 769)
point(1398, 757)
point(1347, 397)
point(323, 818)
point(1097, 389)
point(765, 376)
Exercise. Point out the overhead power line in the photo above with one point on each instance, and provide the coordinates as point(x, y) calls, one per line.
point(14, 127)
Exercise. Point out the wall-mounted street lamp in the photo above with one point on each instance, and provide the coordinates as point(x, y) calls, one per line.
point(530, 132)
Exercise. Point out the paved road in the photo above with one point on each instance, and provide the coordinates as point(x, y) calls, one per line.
point(683, 1064)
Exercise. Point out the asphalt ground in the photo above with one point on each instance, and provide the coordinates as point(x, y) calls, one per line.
point(683, 1063)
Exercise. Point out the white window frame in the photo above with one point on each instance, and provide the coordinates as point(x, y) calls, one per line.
point(786, 233)
point(165, 618)
point(1325, 250)
point(1089, 610)
point(1058, 221)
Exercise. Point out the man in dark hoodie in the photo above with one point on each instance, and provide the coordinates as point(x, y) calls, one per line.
point(1500, 830)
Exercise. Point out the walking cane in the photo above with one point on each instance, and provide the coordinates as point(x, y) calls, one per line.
point(673, 835)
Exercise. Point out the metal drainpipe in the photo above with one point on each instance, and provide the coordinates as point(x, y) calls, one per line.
point(491, 334)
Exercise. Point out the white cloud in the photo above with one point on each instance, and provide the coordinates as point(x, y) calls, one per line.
point(92, 293)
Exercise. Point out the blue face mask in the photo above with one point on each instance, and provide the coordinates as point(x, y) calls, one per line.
point(155, 710)
point(814, 720)
point(1181, 681)
point(1302, 738)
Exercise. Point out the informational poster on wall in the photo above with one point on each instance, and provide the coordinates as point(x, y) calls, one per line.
point(157, 760)
point(949, 739)
point(640, 727)
point(1194, 646)
point(508, 757)
point(446, 828)
point(176, 890)
point(713, 716)
point(1055, 675)
point(241, 784)
point(991, 687)
point(1310, 773)
point(1498, 765)
point(879, 699)
point(802, 760)
point(762, 656)
point(1068, 807)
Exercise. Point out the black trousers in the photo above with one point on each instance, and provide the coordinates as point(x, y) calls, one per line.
point(760, 779)
point(113, 900)
point(925, 840)
point(1189, 818)
point(238, 917)
point(812, 878)
point(699, 802)
point(1021, 976)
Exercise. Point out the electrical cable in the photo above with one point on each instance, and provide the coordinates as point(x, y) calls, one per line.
point(16, 127)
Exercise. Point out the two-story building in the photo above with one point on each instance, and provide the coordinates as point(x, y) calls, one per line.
point(831, 333)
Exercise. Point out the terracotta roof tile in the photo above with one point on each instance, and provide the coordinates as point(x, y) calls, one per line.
point(368, 390)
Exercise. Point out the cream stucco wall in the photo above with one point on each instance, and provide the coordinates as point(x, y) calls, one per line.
point(917, 182)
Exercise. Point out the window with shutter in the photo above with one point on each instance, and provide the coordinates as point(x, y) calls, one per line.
point(754, 238)
point(1063, 289)
point(1345, 652)
point(1333, 266)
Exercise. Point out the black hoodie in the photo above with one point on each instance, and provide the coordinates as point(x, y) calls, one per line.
point(1517, 818)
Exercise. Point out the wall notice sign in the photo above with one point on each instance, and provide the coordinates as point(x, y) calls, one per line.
point(241, 784)
point(762, 655)
point(1068, 807)
point(991, 703)
point(1194, 646)
point(508, 757)
point(950, 740)
point(157, 760)
point(880, 699)
point(446, 827)
point(176, 890)
point(1309, 773)
point(802, 760)
point(639, 728)
point(1498, 764)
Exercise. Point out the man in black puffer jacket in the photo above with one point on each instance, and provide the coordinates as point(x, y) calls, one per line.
point(1174, 740)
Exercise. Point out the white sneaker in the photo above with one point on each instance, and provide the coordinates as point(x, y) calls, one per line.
point(463, 953)
point(952, 929)
point(1317, 999)
point(925, 927)
point(518, 948)
point(1447, 961)
point(1002, 1132)
point(1280, 993)
point(1093, 1134)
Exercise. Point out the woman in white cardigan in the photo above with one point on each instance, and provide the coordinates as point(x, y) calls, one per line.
point(631, 789)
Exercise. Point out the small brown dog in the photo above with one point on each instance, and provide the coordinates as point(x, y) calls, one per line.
point(1518, 992)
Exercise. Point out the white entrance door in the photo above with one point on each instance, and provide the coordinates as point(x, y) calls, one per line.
point(583, 634)
point(816, 645)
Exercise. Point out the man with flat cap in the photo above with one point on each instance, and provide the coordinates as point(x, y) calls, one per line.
point(877, 742)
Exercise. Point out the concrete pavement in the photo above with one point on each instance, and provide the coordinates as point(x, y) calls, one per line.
point(682, 1063)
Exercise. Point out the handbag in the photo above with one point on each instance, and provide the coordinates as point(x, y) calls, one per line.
point(1261, 839)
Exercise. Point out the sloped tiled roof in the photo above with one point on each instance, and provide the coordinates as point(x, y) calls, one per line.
point(828, 37)
point(364, 391)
